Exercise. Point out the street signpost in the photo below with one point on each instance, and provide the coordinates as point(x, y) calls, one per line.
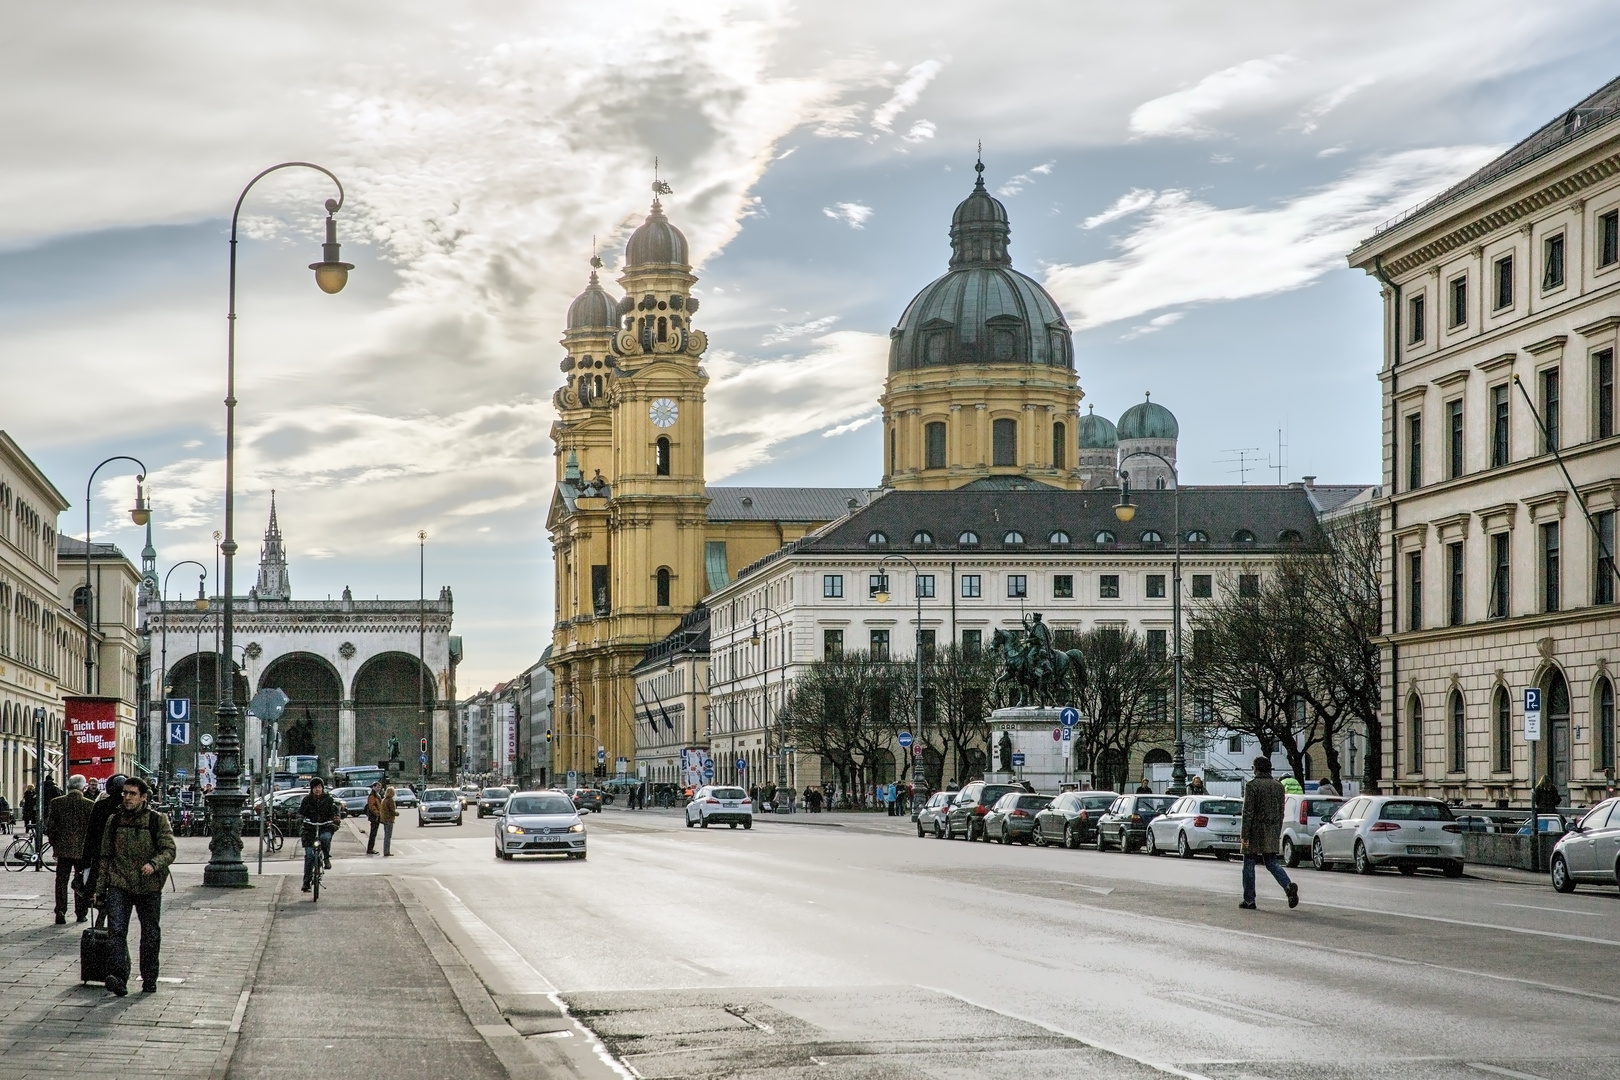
point(905, 740)
point(1532, 714)
point(179, 734)
point(1068, 717)
point(742, 765)
point(708, 768)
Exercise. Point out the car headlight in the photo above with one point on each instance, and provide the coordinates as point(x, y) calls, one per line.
point(578, 826)
point(518, 829)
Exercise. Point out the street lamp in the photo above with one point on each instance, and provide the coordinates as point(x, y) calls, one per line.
point(225, 866)
point(140, 514)
point(163, 663)
point(765, 702)
point(1125, 511)
point(918, 780)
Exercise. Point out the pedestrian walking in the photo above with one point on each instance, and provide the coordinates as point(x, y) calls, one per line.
point(1326, 788)
point(1262, 831)
point(67, 818)
point(389, 814)
point(793, 801)
point(1144, 788)
point(5, 815)
point(30, 808)
point(111, 801)
point(1195, 786)
point(137, 847)
point(374, 816)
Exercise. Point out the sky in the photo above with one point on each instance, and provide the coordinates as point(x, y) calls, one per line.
point(1184, 178)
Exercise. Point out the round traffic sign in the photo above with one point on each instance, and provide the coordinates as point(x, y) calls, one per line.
point(905, 740)
point(742, 764)
point(1057, 734)
point(1068, 717)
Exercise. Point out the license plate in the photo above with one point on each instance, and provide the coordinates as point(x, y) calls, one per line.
point(1229, 839)
point(1421, 849)
point(730, 805)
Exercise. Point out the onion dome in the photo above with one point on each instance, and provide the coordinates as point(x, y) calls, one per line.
point(594, 309)
point(982, 311)
point(1148, 421)
point(656, 243)
point(1097, 432)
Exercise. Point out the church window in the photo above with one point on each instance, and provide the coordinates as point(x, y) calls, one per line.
point(1004, 442)
point(715, 567)
point(663, 586)
point(968, 539)
point(598, 391)
point(1060, 446)
point(600, 597)
point(1059, 537)
point(1003, 345)
point(663, 329)
point(934, 438)
point(891, 449)
point(661, 456)
point(1060, 349)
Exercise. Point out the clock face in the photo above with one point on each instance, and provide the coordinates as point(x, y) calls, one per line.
point(663, 412)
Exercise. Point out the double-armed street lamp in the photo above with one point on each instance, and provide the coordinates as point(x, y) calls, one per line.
point(918, 780)
point(1125, 511)
point(225, 866)
point(765, 702)
point(140, 514)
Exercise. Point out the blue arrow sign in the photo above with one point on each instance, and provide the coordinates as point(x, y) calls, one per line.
point(905, 740)
point(742, 765)
point(178, 708)
point(708, 769)
point(179, 734)
point(1068, 717)
point(601, 756)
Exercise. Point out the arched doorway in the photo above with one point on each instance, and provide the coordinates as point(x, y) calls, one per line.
point(1555, 692)
point(314, 691)
point(393, 696)
point(197, 679)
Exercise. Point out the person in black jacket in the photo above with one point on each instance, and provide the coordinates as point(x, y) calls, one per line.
point(106, 806)
point(321, 809)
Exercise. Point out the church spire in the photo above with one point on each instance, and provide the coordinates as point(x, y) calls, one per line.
point(273, 582)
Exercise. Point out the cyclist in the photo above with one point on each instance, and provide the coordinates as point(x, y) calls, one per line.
point(317, 810)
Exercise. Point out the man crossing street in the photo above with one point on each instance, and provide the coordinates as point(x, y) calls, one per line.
point(1262, 832)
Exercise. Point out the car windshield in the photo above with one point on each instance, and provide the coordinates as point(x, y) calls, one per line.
point(1221, 806)
point(991, 793)
point(1034, 802)
point(1320, 807)
point(1153, 806)
point(539, 804)
point(729, 793)
point(441, 795)
point(496, 793)
point(1416, 811)
point(1098, 802)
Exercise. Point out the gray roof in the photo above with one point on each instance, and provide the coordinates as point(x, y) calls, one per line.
point(783, 503)
point(1330, 497)
point(690, 636)
point(71, 547)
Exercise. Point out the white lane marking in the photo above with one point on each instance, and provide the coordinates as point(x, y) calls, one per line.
point(1233, 1006)
point(1467, 922)
point(500, 952)
point(1100, 890)
point(1497, 1070)
point(1560, 910)
point(1159, 1066)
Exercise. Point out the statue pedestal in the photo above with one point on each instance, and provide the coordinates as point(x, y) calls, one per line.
point(1030, 729)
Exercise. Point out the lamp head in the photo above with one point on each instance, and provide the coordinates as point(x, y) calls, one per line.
point(753, 638)
point(202, 597)
point(881, 596)
point(140, 513)
point(1124, 511)
point(331, 273)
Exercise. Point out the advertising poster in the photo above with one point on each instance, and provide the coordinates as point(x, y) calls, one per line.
point(92, 737)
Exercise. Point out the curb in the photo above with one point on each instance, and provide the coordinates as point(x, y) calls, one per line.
point(233, 1035)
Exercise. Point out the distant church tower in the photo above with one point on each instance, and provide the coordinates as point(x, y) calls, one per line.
point(273, 581)
point(981, 384)
point(628, 517)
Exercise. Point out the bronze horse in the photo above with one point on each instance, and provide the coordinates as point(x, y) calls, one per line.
point(1033, 672)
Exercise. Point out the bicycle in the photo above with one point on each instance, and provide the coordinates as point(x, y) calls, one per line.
point(20, 852)
point(272, 837)
point(323, 848)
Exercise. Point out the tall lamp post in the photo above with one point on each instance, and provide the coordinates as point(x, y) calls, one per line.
point(1125, 511)
point(918, 781)
point(765, 703)
point(140, 514)
point(225, 866)
point(423, 728)
point(163, 663)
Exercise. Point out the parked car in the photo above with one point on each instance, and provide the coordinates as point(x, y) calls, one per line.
point(1589, 854)
point(967, 810)
point(405, 796)
point(1302, 816)
point(440, 806)
point(1072, 817)
point(1124, 824)
point(1012, 819)
point(931, 816)
point(587, 800)
point(352, 799)
point(1371, 831)
point(720, 806)
point(1197, 823)
point(492, 799)
point(538, 823)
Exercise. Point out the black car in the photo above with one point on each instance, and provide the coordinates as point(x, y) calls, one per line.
point(1072, 818)
point(972, 803)
point(1124, 825)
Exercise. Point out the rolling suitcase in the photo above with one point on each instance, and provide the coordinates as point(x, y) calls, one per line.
point(95, 951)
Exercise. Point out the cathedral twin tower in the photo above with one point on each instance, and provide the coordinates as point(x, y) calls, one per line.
point(981, 391)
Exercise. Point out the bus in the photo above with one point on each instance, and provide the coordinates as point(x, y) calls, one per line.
point(361, 776)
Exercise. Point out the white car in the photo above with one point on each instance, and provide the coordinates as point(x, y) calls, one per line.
point(1371, 831)
point(1302, 816)
point(1196, 823)
point(539, 823)
point(720, 806)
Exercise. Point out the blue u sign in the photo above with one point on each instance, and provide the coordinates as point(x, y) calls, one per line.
point(178, 709)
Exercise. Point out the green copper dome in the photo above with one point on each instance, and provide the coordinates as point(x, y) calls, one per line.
point(1148, 421)
point(1097, 432)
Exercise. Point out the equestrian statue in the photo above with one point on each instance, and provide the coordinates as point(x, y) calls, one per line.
point(1035, 673)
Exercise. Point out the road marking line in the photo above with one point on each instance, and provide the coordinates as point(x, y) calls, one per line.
point(1234, 1007)
point(498, 949)
point(241, 1011)
point(1466, 922)
point(1098, 889)
point(1560, 910)
point(1499, 1071)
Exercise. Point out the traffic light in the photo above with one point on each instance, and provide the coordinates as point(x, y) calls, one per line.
point(548, 734)
point(424, 746)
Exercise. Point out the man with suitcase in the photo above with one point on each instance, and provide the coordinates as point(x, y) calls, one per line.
point(137, 848)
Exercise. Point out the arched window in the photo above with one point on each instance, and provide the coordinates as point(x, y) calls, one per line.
point(922, 538)
point(1414, 735)
point(1197, 536)
point(1457, 735)
point(1060, 446)
point(1151, 536)
point(1603, 720)
point(1059, 537)
point(1289, 536)
point(891, 449)
point(1103, 537)
point(598, 392)
point(663, 586)
point(1013, 537)
point(1243, 536)
point(934, 445)
point(968, 539)
point(1004, 442)
point(1501, 731)
point(663, 328)
point(877, 539)
point(661, 455)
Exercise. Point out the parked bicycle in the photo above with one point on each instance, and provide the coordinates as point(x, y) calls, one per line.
point(273, 838)
point(21, 852)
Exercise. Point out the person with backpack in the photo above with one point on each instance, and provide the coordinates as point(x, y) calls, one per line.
point(137, 848)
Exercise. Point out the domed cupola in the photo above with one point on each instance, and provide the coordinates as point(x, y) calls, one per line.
point(979, 229)
point(593, 309)
point(1147, 444)
point(1097, 432)
point(1148, 420)
point(656, 243)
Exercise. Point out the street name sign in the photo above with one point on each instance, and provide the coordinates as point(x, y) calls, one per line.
point(905, 740)
point(1532, 714)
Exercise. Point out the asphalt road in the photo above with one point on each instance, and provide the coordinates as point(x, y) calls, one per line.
point(863, 951)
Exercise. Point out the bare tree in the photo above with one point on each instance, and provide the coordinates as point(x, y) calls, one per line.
point(962, 685)
point(1124, 699)
point(842, 709)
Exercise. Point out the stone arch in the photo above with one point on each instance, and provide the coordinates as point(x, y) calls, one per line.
point(195, 677)
point(387, 702)
point(1556, 720)
point(314, 692)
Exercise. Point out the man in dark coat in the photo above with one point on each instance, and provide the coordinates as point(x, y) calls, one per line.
point(321, 809)
point(67, 819)
point(137, 848)
point(1262, 830)
point(105, 807)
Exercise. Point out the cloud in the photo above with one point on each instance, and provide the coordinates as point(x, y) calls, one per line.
point(1153, 325)
point(853, 425)
point(1312, 114)
point(906, 94)
point(1183, 112)
point(1129, 203)
point(853, 214)
point(1017, 183)
point(754, 406)
point(921, 131)
point(788, 333)
point(1186, 251)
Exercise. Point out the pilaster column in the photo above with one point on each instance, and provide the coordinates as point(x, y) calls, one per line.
point(346, 733)
point(916, 440)
point(983, 425)
point(1050, 457)
point(953, 439)
point(1027, 440)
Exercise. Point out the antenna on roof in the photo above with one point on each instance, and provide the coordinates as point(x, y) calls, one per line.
point(1244, 459)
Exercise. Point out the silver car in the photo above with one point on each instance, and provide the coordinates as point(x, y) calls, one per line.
point(1371, 831)
point(440, 806)
point(1302, 816)
point(1196, 823)
point(1589, 854)
point(931, 818)
point(539, 823)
